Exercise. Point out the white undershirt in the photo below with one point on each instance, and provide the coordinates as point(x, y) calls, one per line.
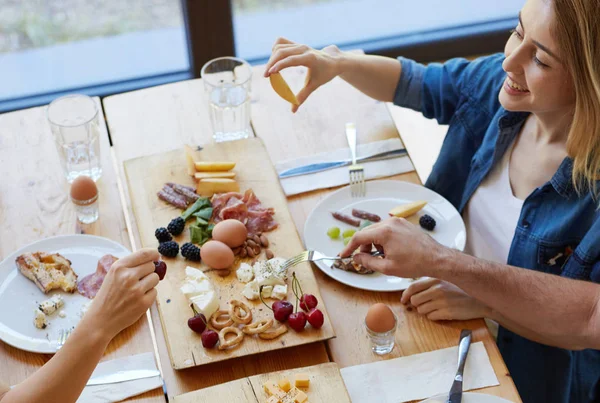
point(492, 214)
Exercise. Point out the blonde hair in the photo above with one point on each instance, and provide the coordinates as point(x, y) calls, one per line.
point(577, 31)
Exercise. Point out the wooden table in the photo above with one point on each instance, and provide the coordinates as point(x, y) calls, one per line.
point(34, 204)
point(164, 118)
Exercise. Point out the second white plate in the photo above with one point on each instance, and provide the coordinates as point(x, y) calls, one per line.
point(381, 197)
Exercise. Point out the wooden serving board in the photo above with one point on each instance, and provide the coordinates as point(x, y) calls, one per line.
point(326, 386)
point(146, 176)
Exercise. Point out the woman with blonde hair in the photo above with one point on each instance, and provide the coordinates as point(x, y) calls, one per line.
point(521, 162)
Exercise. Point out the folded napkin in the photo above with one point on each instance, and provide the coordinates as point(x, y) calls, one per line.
point(339, 176)
point(418, 376)
point(115, 392)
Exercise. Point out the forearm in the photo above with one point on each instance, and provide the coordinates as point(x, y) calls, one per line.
point(375, 76)
point(63, 378)
point(560, 311)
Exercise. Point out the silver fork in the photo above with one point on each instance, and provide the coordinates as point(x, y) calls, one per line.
point(313, 256)
point(62, 338)
point(356, 172)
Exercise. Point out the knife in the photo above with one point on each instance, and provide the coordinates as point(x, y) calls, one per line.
point(455, 395)
point(323, 166)
point(123, 376)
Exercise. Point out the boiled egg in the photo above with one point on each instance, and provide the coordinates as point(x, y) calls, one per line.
point(380, 318)
point(232, 233)
point(216, 255)
point(83, 189)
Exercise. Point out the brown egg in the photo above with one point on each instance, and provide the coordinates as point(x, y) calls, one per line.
point(216, 255)
point(231, 232)
point(380, 318)
point(83, 189)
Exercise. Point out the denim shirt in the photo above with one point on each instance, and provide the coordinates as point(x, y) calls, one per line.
point(558, 230)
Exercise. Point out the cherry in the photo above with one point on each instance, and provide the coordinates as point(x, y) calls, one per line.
point(197, 323)
point(160, 268)
point(209, 338)
point(282, 310)
point(297, 321)
point(315, 318)
point(308, 302)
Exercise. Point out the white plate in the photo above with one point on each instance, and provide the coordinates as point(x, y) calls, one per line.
point(381, 197)
point(19, 296)
point(470, 398)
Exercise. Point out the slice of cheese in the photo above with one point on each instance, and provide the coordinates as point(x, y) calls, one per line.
point(300, 397)
point(52, 305)
point(214, 166)
point(199, 290)
point(273, 399)
point(245, 273)
point(208, 187)
point(282, 88)
point(285, 384)
point(406, 210)
point(272, 389)
point(206, 303)
point(279, 292)
point(209, 175)
point(302, 380)
point(39, 319)
point(189, 160)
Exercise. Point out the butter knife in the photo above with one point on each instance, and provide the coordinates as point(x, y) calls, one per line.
point(123, 376)
point(323, 166)
point(455, 395)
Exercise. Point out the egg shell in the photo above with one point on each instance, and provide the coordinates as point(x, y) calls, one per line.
point(232, 233)
point(83, 188)
point(380, 318)
point(216, 255)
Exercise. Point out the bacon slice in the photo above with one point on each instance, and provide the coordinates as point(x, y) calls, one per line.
point(90, 284)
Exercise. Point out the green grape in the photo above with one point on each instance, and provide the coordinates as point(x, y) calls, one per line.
point(333, 232)
point(348, 233)
point(347, 240)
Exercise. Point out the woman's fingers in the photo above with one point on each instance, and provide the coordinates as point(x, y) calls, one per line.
point(417, 288)
point(282, 52)
point(138, 258)
point(149, 282)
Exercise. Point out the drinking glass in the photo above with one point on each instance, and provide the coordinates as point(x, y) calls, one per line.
point(227, 83)
point(74, 124)
point(382, 342)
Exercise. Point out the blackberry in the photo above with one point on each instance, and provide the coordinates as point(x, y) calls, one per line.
point(427, 222)
point(168, 249)
point(176, 226)
point(190, 252)
point(162, 235)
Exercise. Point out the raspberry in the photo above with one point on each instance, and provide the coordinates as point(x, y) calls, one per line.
point(162, 235)
point(176, 226)
point(168, 249)
point(190, 252)
point(427, 222)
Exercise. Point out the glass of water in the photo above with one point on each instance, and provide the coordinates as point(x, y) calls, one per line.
point(74, 124)
point(227, 83)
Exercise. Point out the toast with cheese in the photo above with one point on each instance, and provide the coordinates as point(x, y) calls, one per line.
point(49, 271)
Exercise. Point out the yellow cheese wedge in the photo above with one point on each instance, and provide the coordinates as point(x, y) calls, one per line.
point(273, 399)
point(300, 397)
point(285, 384)
point(208, 187)
point(282, 88)
point(189, 160)
point(214, 166)
point(302, 380)
point(209, 175)
point(406, 210)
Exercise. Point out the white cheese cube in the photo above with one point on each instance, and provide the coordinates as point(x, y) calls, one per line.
point(195, 283)
point(39, 319)
point(267, 274)
point(267, 291)
point(245, 273)
point(52, 305)
point(206, 303)
point(250, 291)
point(279, 292)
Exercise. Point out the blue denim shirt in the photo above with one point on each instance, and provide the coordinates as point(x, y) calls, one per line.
point(558, 230)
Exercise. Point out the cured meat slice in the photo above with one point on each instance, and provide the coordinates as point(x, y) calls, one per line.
point(246, 208)
point(235, 209)
point(90, 284)
point(260, 221)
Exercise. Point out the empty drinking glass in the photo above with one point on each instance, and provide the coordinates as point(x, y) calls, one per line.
point(74, 124)
point(227, 83)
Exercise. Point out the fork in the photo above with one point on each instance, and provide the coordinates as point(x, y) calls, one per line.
point(62, 338)
point(356, 172)
point(314, 256)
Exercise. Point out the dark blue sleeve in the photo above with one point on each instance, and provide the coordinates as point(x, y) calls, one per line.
point(595, 276)
point(438, 89)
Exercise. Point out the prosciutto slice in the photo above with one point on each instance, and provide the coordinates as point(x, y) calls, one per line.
point(246, 208)
point(90, 284)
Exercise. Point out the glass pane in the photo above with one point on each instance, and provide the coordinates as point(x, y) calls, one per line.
point(346, 22)
point(48, 46)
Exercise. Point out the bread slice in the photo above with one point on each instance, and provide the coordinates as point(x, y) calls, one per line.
point(49, 271)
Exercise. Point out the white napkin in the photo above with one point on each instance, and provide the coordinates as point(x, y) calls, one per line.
point(418, 376)
point(115, 392)
point(339, 176)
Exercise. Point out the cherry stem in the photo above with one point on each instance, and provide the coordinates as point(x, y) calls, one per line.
point(199, 314)
point(261, 298)
point(299, 285)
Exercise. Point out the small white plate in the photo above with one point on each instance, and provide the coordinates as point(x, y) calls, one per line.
point(382, 196)
point(470, 398)
point(19, 296)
